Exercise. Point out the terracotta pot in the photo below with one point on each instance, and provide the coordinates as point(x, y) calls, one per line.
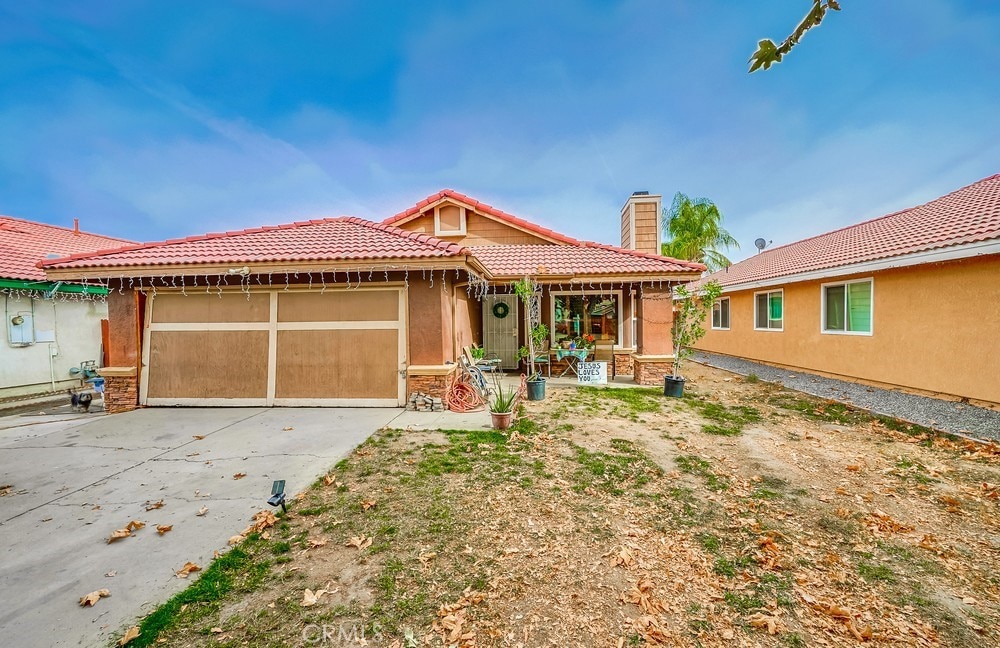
point(501, 420)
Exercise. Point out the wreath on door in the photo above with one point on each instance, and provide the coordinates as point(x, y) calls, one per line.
point(500, 310)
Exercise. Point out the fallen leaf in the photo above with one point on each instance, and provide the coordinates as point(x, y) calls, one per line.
point(118, 534)
point(163, 528)
point(367, 505)
point(130, 634)
point(199, 437)
point(310, 598)
point(187, 570)
point(216, 630)
point(152, 506)
point(202, 511)
point(764, 621)
point(135, 525)
point(854, 467)
point(235, 540)
point(315, 543)
point(239, 475)
point(361, 542)
point(331, 480)
point(261, 520)
point(112, 573)
point(90, 599)
point(425, 558)
point(287, 429)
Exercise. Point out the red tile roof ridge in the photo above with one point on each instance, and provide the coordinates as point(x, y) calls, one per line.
point(64, 228)
point(897, 234)
point(694, 265)
point(452, 249)
point(187, 239)
point(900, 212)
point(486, 209)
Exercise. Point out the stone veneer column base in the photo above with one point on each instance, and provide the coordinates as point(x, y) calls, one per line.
point(623, 363)
point(432, 380)
point(650, 370)
point(121, 389)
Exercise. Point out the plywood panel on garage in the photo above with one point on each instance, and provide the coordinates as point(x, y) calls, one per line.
point(359, 364)
point(339, 306)
point(207, 364)
point(275, 347)
point(201, 307)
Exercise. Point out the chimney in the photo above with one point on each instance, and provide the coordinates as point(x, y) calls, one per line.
point(76, 227)
point(641, 222)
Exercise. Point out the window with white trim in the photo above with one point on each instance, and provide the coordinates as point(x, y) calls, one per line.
point(847, 307)
point(769, 310)
point(590, 314)
point(720, 314)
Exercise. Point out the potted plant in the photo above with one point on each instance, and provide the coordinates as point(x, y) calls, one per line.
point(528, 292)
point(689, 319)
point(502, 403)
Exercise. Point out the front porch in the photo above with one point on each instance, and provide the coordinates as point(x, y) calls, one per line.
point(625, 325)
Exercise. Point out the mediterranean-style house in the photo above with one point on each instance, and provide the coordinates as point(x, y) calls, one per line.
point(50, 327)
point(910, 299)
point(346, 311)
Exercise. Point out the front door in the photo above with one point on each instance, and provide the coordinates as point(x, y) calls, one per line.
point(500, 328)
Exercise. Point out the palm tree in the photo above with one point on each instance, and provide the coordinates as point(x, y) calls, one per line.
point(695, 232)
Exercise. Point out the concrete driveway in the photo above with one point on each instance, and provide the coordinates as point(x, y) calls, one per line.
point(76, 479)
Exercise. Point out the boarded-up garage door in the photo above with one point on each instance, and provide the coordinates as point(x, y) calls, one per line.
point(339, 347)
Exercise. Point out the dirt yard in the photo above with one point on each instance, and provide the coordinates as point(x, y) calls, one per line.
point(744, 514)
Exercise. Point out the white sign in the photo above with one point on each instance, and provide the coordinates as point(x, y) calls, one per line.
point(593, 373)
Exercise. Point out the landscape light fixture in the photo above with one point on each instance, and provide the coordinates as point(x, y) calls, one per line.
point(278, 495)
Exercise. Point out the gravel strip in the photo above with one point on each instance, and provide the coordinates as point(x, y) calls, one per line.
point(942, 415)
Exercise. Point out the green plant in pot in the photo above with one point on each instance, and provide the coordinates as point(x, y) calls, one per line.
point(502, 402)
point(529, 292)
point(689, 327)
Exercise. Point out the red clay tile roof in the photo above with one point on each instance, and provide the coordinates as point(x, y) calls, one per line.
point(968, 215)
point(24, 243)
point(578, 259)
point(483, 208)
point(328, 239)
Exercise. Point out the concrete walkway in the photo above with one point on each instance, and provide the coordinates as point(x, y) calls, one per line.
point(74, 479)
point(946, 416)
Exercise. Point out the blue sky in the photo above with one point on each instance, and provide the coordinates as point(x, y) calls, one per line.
point(156, 120)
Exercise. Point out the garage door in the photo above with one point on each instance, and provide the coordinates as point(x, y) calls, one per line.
point(275, 347)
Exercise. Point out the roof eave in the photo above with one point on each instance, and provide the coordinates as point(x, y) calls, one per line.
point(272, 267)
point(937, 255)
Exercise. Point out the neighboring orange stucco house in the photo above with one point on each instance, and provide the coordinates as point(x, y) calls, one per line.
point(911, 300)
point(345, 311)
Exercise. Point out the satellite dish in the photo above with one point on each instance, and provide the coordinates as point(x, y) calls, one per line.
point(760, 244)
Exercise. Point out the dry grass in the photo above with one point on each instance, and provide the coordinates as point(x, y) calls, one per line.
point(621, 519)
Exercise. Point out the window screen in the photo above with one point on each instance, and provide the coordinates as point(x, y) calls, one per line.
point(769, 310)
point(848, 307)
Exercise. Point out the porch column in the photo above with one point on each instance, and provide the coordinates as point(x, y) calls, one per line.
point(121, 376)
point(654, 356)
point(430, 360)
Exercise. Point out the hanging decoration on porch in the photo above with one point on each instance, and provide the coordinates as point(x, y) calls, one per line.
point(500, 310)
point(245, 279)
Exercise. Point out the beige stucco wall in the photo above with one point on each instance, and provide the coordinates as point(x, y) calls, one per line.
point(934, 329)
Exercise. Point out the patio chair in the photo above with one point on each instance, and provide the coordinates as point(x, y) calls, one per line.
point(606, 353)
point(543, 357)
